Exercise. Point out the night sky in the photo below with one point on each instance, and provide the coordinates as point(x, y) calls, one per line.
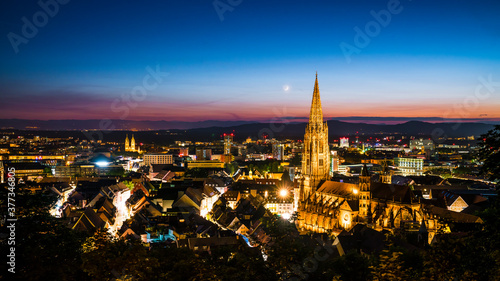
point(255, 61)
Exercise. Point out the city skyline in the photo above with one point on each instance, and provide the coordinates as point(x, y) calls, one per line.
point(250, 140)
point(252, 60)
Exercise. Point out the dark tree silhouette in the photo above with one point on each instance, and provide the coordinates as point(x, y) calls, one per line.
point(489, 153)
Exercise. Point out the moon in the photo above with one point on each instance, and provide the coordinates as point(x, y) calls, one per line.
point(286, 88)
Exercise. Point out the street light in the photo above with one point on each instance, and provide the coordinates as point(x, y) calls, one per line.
point(283, 193)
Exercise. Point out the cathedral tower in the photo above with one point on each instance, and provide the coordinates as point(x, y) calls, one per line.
point(316, 152)
point(385, 176)
point(127, 143)
point(365, 193)
point(132, 144)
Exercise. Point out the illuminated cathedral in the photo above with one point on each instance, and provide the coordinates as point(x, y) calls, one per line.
point(316, 154)
point(326, 206)
point(130, 145)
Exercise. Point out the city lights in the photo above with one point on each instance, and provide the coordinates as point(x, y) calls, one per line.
point(102, 163)
point(283, 193)
point(286, 216)
point(287, 141)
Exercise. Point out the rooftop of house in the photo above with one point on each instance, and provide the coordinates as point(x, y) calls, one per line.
point(397, 193)
point(452, 216)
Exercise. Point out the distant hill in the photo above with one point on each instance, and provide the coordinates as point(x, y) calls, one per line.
point(212, 130)
point(116, 124)
point(339, 129)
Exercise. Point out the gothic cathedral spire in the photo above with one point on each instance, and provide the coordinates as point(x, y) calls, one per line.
point(127, 143)
point(316, 114)
point(316, 152)
point(132, 143)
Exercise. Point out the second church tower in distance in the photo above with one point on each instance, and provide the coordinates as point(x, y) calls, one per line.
point(316, 152)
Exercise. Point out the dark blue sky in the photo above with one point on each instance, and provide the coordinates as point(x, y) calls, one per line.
point(257, 63)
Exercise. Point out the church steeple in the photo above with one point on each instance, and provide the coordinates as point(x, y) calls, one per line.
point(127, 143)
point(316, 114)
point(364, 171)
point(385, 175)
point(365, 193)
point(316, 152)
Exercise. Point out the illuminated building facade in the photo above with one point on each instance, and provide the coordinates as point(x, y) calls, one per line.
point(337, 206)
point(48, 160)
point(36, 157)
point(203, 154)
point(127, 143)
point(327, 206)
point(2, 171)
point(158, 159)
point(228, 142)
point(334, 162)
point(205, 164)
point(87, 170)
point(130, 145)
point(31, 170)
point(386, 175)
point(280, 206)
point(408, 166)
point(316, 152)
point(421, 144)
point(227, 157)
point(278, 151)
point(344, 142)
point(184, 151)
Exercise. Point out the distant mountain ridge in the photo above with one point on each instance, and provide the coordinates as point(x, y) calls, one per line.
point(115, 124)
point(213, 129)
point(339, 129)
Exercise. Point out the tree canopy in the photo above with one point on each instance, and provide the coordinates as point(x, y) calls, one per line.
point(489, 153)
